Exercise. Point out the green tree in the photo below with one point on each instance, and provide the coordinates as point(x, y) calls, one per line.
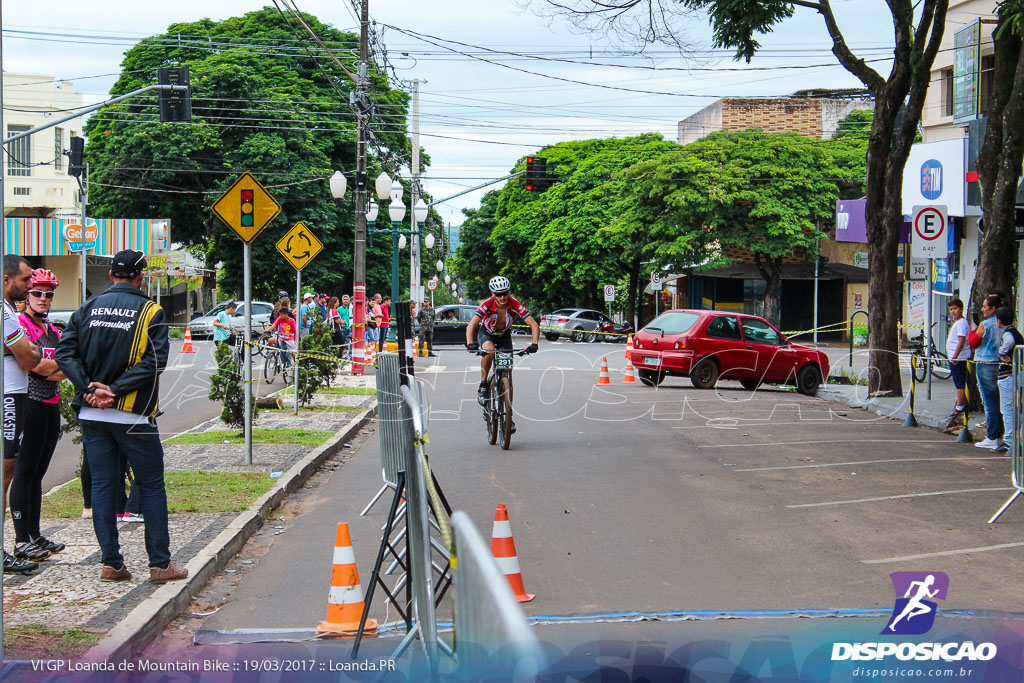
point(999, 161)
point(762, 193)
point(259, 105)
point(899, 99)
point(555, 245)
point(475, 262)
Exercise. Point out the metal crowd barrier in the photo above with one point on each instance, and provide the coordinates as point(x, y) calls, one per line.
point(1017, 452)
point(491, 631)
point(395, 439)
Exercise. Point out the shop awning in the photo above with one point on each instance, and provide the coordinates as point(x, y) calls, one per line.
point(44, 236)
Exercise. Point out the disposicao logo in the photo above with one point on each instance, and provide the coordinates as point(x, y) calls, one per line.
point(913, 614)
point(931, 179)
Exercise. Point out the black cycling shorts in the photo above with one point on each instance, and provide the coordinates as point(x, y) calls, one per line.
point(14, 423)
point(502, 342)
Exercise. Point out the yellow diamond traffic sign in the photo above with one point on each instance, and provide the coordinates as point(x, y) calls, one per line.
point(299, 245)
point(246, 207)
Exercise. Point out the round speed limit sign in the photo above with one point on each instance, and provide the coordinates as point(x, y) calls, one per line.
point(432, 284)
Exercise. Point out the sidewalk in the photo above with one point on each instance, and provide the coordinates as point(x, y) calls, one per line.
point(65, 594)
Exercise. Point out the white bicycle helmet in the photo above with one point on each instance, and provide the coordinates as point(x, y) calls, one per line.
point(499, 284)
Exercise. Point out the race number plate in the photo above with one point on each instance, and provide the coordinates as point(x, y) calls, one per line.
point(504, 361)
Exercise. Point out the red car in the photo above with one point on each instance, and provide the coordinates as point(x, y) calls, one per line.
point(712, 345)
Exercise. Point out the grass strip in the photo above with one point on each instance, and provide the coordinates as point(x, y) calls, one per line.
point(357, 391)
point(36, 641)
point(316, 409)
point(189, 491)
point(262, 435)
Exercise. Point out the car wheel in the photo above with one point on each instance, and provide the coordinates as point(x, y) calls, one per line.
point(808, 380)
point(550, 336)
point(704, 375)
point(651, 378)
point(750, 383)
point(577, 335)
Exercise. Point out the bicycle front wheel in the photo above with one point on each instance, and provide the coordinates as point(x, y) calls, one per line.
point(940, 365)
point(504, 413)
point(271, 367)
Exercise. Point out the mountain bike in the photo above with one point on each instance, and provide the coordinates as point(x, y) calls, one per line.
point(498, 405)
point(275, 362)
point(939, 362)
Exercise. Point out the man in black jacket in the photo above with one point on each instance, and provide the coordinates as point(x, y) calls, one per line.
point(113, 351)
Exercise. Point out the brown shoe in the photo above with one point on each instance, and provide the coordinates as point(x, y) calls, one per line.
point(172, 573)
point(111, 574)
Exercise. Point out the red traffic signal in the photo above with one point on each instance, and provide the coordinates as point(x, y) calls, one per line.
point(536, 174)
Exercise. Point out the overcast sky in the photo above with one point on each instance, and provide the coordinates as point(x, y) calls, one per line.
point(488, 115)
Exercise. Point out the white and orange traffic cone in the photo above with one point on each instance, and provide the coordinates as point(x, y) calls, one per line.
point(629, 347)
point(187, 346)
point(504, 550)
point(345, 601)
point(630, 376)
point(604, 379)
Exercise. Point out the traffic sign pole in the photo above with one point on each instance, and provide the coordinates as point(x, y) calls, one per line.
point(298, 338)
point(928, 328)
point(247, 276)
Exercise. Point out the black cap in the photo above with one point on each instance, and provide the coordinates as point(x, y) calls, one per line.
point(128, 263)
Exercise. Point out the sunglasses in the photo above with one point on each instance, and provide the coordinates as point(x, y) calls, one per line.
point(501, 296)
point(40, 294)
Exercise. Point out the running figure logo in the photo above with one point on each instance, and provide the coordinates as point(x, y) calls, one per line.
point(914, 613)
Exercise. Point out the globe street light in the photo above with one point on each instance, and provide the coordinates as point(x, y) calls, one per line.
point(440, 266)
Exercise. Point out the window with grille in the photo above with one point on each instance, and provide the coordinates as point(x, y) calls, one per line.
point(19, 153)
point(21, 191)
point(58, 149)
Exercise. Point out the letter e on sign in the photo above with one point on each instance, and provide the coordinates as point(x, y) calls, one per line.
point(928, 235)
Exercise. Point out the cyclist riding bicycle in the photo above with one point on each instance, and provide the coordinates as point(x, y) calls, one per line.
point(494, 320)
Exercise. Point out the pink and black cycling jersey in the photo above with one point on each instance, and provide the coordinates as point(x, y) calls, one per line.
point(39, 388)
point(488, 312)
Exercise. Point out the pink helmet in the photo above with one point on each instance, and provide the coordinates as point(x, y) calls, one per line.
point(42, 276)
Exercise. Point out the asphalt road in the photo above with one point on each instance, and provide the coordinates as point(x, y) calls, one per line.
point(183, 389)
point(628, 498)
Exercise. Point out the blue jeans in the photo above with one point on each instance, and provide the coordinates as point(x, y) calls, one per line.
point(141, 445)
point(988, 376)
point(1006, 407)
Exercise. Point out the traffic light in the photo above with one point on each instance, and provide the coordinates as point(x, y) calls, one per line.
point(175, 105)
point(536, 174)
point(247, 219)
point(75, 156)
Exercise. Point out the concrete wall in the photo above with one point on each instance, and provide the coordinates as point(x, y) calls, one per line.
point(704, 122)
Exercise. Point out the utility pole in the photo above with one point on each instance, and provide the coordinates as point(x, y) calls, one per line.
point(414, 239)
point(83, 184)
point(359, 258)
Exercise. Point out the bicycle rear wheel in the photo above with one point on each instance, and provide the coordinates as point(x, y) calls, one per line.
point(504, 401)
point(919, 366)
point(491, 415)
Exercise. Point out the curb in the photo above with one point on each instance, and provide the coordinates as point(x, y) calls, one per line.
point(924, 418)
point(150, 617)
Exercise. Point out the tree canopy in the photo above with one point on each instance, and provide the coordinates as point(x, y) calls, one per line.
point(260, 104)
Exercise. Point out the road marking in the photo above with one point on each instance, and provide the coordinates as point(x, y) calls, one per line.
point(803, 443)
point(434, 369)
point(867, 462)
point(962, 551)
point(906, 495)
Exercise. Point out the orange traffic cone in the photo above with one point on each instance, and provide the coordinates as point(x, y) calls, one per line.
point(345, 601)
point(187, 346)
point(629, 347)
point(630, 376)
point(604, 379)
point(504, 550)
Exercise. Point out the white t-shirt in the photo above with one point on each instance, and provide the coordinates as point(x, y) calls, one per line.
point(110, 415)
point(15, 376)
point(959, 329)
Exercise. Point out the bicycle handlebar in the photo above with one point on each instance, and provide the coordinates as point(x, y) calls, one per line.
point(485, 352)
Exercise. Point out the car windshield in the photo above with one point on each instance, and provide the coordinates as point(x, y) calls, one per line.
point(673, 322)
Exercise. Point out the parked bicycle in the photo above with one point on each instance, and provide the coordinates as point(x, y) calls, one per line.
point(938, 360)
point(498, 405)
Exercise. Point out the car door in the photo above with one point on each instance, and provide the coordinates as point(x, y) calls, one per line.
point(774, 357)
point(723, 339)
point(447, 331)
